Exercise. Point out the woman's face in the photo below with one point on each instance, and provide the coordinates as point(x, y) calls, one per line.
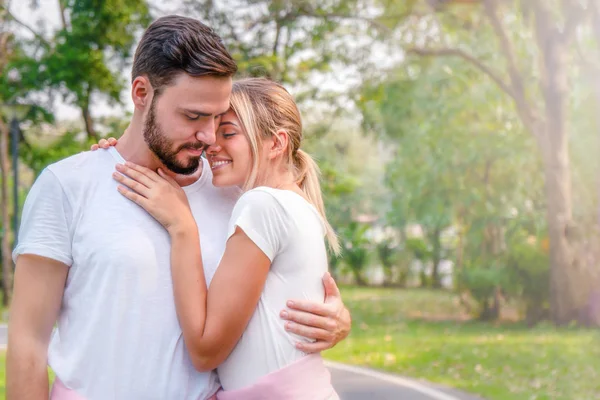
point(230, 157)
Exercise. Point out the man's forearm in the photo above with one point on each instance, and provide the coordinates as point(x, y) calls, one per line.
point(26, 374)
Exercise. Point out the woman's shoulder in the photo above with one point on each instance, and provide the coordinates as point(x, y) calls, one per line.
point(261, 200)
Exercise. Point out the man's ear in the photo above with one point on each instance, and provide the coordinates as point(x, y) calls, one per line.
point(278, 144)
point(141, 92)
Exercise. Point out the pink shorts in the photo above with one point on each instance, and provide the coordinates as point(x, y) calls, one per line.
point(61, 392)
point(305, 379)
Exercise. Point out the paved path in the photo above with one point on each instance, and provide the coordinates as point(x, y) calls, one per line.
point(356, 383)
point(3, 335)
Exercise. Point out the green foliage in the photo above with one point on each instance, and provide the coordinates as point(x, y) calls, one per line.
point(528, 266)
point(419, 248)
point(37, 157)
point(83, 58)
point(483, 284)
point(356, 249)
point(387, 253)
point(297, 42)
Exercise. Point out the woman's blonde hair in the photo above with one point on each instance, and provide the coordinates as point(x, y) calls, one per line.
point(265, 107)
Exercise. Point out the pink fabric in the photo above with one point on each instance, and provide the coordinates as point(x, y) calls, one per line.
point(306, 379)
point(61, 392)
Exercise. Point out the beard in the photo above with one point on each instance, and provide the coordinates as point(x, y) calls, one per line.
point(163, 147)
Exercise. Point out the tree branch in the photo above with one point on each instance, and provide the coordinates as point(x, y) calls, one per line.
point(524, 109)
point(574, 14)
point(30, 29)
point(450, 52)
point(595, 15)
point(277, 35)
point(371, 21)
point(61, 7)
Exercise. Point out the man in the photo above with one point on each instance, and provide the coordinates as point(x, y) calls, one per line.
point(100, 265)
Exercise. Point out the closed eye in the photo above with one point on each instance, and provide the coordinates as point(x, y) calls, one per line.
point(193, 118)
point(228, 135)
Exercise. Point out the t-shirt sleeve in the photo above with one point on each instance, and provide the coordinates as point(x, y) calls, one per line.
point(263, 220)
point(45, 222)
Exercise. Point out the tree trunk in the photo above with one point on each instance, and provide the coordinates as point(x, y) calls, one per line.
point(360, 281)
point(89, 123)
point(7, 264)
point(436, 257)
point(563, 274)
point(565, 295)
point(61, 5)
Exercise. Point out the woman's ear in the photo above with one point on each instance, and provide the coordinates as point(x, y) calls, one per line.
point(278, 144)
point(141, 92)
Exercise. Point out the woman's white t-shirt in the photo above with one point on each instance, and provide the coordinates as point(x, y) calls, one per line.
point(291, 232)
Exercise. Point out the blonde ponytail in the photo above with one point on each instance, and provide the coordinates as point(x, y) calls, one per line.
point(308, 175)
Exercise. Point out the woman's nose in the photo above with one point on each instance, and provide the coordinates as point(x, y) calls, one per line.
point(213, 149)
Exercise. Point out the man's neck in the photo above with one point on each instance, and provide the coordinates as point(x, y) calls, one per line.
point(133, 148)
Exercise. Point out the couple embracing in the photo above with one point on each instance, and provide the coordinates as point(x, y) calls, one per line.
point(187, 260)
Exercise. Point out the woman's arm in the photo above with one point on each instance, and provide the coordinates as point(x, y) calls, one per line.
point(213, 322)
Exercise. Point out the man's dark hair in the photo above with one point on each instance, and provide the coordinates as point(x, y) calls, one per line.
point(175, 44)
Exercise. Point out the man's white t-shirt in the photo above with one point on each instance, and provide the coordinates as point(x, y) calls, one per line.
point(290, 232)
point(118, 336)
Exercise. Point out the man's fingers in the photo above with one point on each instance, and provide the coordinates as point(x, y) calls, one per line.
point(308, 332)
point(331, 289)
point(112, 141)
point(315, 347)
point(311, 307)
point(309, 320)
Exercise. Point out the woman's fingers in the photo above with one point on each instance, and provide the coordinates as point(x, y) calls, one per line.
point(136, 175)
point(169, 179)
point(133, 196)
point(132, 184)
point(153, 176)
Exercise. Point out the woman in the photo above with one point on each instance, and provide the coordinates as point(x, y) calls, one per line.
point(275, 249)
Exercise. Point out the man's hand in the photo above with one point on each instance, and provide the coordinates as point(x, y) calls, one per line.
point(328, 323)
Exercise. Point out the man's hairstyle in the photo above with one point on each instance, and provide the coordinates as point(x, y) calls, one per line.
point(175, 44)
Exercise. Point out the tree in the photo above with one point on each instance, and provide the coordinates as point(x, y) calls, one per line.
point(300, 42)
point(5, 249)
point(540, 97)
point(356, 249)
point(84, 57)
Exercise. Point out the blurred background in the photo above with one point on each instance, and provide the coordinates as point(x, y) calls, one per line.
point(458, 142)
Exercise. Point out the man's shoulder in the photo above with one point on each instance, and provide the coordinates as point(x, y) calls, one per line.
point(85, 162)
point(81, 167)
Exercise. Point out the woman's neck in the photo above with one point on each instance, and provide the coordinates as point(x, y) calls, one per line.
point(283, 180)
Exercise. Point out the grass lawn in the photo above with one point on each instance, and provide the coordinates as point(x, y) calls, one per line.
point(2, 375)
point(424, 335)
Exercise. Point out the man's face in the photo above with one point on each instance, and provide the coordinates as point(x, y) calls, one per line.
point(182, 120)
